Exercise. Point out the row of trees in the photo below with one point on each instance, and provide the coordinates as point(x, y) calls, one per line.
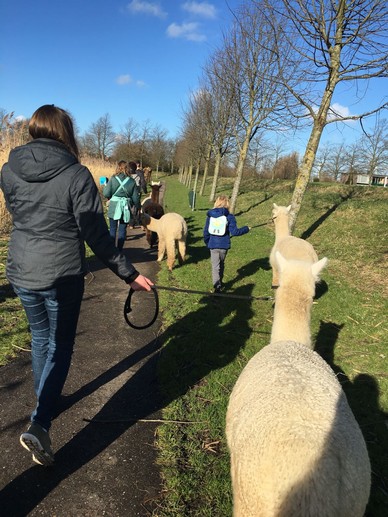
point(136, 141)
point(278, 67)
point(333, 162)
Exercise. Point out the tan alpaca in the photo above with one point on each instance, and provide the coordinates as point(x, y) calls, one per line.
point(172, 233)
point(296, 449)
point(290, 247)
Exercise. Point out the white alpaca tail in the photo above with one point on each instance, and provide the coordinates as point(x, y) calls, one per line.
point(181, 251)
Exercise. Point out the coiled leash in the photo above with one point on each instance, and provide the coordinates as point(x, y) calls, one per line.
point(128, 309)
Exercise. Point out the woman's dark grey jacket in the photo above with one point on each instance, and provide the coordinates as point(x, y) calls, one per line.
point(55, 207)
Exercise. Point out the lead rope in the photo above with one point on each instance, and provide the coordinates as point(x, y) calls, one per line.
point(128, 309)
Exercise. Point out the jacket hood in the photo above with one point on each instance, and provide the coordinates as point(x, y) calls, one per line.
point(40, 160)
point(217, 212)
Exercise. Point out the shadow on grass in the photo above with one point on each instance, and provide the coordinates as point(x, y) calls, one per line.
point(6, 292)
point(363, 398)
point(307, 233)
point(195, 345)
point(266, 198)
point(321, 289)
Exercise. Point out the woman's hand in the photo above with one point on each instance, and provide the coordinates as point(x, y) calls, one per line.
point(141, 283)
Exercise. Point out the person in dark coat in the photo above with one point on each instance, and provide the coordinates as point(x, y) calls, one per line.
point(55, 207)
point(220, 226)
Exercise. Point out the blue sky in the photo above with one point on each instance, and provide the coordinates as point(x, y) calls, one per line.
point(132, 59)
point(135, 58)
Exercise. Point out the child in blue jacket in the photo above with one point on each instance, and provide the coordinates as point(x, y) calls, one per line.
point(220, 226)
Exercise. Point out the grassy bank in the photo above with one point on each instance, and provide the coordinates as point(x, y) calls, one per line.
point(207, 342)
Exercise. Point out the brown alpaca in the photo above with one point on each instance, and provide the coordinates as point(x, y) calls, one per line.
point(172, 233)
point(152, 207)
point(290, 247)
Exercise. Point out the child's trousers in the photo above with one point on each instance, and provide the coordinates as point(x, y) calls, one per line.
point(217, 258)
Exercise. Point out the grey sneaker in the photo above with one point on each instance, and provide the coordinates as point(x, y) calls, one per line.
point(37, 441)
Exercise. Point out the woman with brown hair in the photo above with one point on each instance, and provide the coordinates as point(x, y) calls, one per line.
point(123, 194)
point(55, 208)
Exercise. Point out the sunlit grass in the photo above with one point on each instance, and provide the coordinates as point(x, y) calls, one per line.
point(207, 342)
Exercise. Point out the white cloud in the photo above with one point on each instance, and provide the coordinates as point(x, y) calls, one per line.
point(187, 31)
point(336, 110)
point(200, 9)
point(141, 84)
point(127, 79)
point(152, 8)
point(124, 79)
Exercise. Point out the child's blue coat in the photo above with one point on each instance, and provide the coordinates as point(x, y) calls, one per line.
point(222, 242)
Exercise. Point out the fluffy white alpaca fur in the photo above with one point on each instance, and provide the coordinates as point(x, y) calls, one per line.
point(172, 232)
point(296, 448)
point(290, 247)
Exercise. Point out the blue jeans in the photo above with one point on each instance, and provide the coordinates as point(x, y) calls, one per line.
point(121, 229)
point(53, 316)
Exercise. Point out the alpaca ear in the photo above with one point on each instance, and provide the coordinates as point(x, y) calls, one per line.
point(288, 208)
point(281, 261)
point(317, 267)
point(275, 205)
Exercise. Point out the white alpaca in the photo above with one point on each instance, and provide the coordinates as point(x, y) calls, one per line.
point(296, 448)
point(290, 247)
point(172, 232)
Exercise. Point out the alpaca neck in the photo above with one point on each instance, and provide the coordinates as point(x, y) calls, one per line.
point(281, 227)
point(292, 315)
point(155, 195)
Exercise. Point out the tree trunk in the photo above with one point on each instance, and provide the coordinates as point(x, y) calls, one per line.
point(239, 171)
point(195, 183)
point(189, 175)
point(205, 170)
point(217, 166)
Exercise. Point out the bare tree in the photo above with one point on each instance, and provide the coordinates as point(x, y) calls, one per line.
point(251, 71)
point(353, 164)
point(100, 139)
point(218, 112)
point(143, 140)
point(158, 146)
point(320, 161)
point(373, 149)
point(126, 148)
point(331, 43)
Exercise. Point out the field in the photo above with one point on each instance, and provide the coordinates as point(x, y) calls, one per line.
point(207, 341)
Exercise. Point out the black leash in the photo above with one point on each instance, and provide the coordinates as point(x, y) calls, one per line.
point(128, 309)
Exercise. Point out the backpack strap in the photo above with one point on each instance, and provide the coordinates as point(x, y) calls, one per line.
point(122, 183)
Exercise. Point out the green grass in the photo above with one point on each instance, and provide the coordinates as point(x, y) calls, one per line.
point(14, 335)
point(207, 342)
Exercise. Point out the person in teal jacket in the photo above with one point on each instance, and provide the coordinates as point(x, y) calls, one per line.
point(123, 194)
point(220, 226)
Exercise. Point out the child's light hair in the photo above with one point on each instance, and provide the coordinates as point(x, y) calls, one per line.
point(222, 202)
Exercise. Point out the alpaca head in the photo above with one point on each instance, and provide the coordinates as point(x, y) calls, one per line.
point(280, 210)
point(145, 219)
point(299, 275)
